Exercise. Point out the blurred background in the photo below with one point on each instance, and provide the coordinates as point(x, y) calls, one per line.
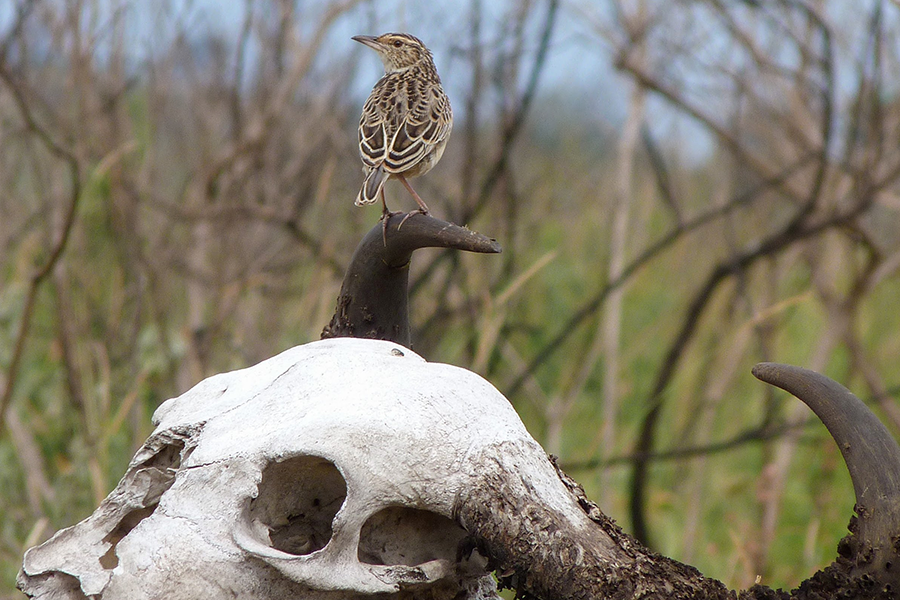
point(682, 189)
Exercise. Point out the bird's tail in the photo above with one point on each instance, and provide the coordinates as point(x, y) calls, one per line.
point(371, 187)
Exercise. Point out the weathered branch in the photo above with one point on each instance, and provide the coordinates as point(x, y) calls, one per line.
point(776, 243)
point(40, 274)
point(677, 233)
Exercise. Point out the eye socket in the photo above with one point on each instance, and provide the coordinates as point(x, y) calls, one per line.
point(397, 43)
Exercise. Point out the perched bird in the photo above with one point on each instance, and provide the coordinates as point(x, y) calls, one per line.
point(406, 121)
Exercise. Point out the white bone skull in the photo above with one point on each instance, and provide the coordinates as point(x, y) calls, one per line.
point(328, 471)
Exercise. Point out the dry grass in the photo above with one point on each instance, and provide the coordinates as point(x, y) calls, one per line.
point(168, 218)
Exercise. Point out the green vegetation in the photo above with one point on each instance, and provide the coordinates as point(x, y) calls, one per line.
point(215, 215)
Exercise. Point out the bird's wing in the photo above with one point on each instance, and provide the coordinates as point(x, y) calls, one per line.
point(426, 124)
point(372, 133)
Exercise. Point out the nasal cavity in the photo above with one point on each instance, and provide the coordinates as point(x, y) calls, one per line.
point(297, 501)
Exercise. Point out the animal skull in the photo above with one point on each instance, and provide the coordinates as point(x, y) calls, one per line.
point(329, 471)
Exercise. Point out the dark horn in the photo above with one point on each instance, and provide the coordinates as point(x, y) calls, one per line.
point(374, 298)
point(873, 459)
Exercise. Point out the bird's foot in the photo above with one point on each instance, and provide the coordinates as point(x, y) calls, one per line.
point(385, 217)
point(417, 211)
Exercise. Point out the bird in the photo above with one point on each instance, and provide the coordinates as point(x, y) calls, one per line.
point(405, 122)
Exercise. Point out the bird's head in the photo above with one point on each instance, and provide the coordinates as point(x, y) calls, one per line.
point(398, 51)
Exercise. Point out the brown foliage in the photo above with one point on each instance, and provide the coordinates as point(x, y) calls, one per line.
point(182, 204)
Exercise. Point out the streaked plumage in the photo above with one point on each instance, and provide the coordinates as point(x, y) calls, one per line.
point(406, 120)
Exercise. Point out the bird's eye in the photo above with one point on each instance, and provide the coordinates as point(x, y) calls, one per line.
point(397, 43)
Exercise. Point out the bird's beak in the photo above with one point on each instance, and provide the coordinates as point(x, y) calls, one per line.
point(367, 40)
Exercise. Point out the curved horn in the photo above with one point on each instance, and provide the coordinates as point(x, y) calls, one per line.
point(872, 456)
point(374, 302)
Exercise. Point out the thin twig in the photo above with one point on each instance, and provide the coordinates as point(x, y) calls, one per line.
point(654, 250)
point(39, 276)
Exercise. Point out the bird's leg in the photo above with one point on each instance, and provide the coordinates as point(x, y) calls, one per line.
point(385, 217)
point(423, 208)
